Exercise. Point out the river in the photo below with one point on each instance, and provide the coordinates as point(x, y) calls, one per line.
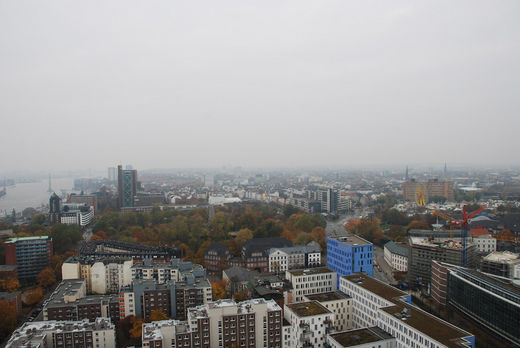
point(32, 195)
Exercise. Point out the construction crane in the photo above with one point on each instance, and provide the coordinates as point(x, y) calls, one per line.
point(464, 223)
point(448, 219)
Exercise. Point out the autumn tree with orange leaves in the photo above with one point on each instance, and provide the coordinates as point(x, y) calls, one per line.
point(218, 289)
point(46, 278)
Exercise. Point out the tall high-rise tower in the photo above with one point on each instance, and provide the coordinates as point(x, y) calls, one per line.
point(406, 174)
point(445, 171)
point(126, 186)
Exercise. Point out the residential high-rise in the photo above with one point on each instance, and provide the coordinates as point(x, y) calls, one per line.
point(224, 323)
point(100, 333)
point(31, 254)
point(126, 186)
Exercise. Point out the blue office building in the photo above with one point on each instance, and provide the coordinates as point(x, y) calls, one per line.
point(350, 254)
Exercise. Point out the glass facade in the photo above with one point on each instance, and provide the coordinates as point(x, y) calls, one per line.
point(483, 301)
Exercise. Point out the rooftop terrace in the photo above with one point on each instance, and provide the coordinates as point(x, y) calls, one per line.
point(430, 325)
point(308, 309)
point(310, 271)
point(328, 296)
point(375, 286)
point(360, 336)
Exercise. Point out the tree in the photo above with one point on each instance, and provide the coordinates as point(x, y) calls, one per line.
point(7, 319)
point(137, 327)
point(123, 333)
point(303, 238)
point(240, 296)
point(9, 284)
point(158, 315)
point(394, 217)
point(46, 278)
point(352, 225)
point(370, 230)
point(65, 237)
point(242, 237)
point(397, 233)
point(218, 289)
point(33, 296)
point(319, 235)
point(417, 225)
point(38, 219)
point(289, 210)
point(505, 235)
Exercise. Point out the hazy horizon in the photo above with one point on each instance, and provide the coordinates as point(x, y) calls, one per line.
point(271, 84)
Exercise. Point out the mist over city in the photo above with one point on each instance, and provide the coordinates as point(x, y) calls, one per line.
point(275, 174)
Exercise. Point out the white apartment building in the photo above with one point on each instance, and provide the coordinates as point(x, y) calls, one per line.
point(485, 243)
point(99, 334)
point(370, 337)
point(166, 333)
point(339, 304)
point(252, 323)
point(126, 304)
point(102, 277)
point(310, 323)
point(308, 282)
point(296, 257)
point(76, 214)
point(161, 272)
point(379, 304)
point(396, 256)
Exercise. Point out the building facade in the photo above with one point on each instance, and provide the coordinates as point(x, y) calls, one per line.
point(30, 254)
point(283, 259)
point(485, 243)
point(435, 247)
point(309, 282)
point(378, 304)
point(349, 254)
point(309, 324)
point(100, 333)
point(502, 263)
point(431, 188)
point(396, 256)
point(339, 304)
point(126, 186)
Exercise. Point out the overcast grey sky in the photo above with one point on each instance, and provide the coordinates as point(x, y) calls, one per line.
point(170, 84)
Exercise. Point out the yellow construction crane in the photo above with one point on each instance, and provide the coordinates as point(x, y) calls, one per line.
point(448, 218)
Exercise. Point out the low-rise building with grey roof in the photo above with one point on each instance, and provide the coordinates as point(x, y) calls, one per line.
point(396, 256)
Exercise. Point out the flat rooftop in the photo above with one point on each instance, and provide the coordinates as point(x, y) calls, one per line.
point(430, 325)
point(375, 286)
point(357, 337)
point(351, 239)
point(328, 296)
point(307, 309)
point(23, 239)
point(502, 256)
point(310, 271)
